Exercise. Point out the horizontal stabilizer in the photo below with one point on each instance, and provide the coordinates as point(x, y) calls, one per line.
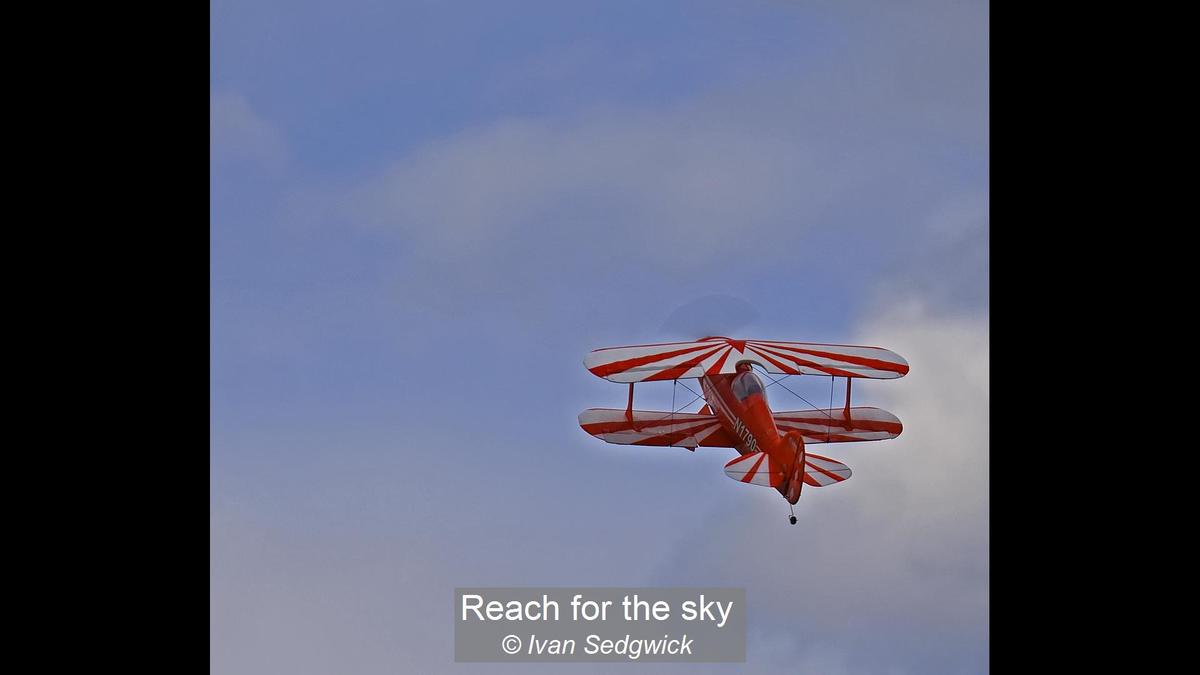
point(720, 356)
point(821, 471)
point(755, 468)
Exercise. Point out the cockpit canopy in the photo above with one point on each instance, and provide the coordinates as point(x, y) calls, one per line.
point(747, 383)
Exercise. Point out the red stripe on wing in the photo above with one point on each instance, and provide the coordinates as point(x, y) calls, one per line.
point(877, 364)
point(818, 437)
point(673, 437)
point(606, 369)
point(641, 424)
point(716, 368)
point(831, 474)
point(674, 372)
point(855, 425)
point(829, 370)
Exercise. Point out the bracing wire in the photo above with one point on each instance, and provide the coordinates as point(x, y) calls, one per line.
point(688, 388)
point(697, 398)
point(685, 405)
point(810, 403)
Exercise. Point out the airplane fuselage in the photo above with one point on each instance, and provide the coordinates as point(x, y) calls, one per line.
point(744, 413)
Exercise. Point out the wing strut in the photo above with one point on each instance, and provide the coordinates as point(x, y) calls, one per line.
point(629, 409)
point(845, 412)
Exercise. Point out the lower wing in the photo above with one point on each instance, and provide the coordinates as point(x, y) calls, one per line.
point(832, 426)
point(649, 427)
point(692, 430)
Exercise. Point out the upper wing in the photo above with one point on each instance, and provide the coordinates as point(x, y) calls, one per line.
point(687, 430)
point(719, 355)
point(829, 426)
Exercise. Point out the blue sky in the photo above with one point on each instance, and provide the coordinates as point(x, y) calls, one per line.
point(425, 214)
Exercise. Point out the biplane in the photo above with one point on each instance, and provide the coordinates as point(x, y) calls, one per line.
point(771, 445)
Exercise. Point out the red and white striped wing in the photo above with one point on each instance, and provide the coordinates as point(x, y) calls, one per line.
point(687, 430)
point(828, 426)
point(755, 468)
point(821, 471)
point(719, 355)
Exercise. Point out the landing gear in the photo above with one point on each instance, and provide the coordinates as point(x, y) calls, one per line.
point(792, 519)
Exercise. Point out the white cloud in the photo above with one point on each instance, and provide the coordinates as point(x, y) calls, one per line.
point(751, 164)
point(773, 651)
point(237, 133)
point(667, 185)
point(901, 548)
